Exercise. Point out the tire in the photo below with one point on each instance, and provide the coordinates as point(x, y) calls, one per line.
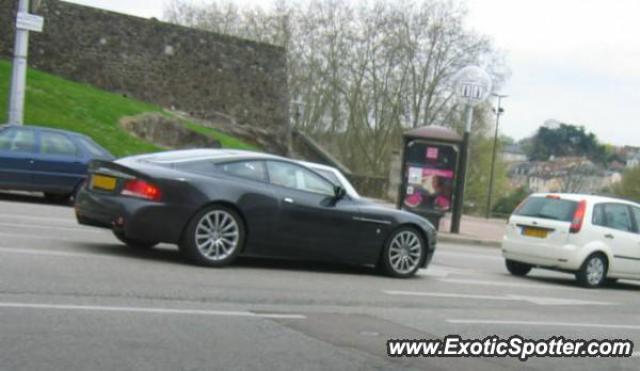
point(517, 268)
point(134, 243)
point(611, 281)
point(403, 252)
point(214, 237)
point(593, 272)
point(57, 198)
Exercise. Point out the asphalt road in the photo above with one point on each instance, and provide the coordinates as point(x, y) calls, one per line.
point(73, 298)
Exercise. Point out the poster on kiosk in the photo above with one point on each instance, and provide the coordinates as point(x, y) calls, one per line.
point(430, 173)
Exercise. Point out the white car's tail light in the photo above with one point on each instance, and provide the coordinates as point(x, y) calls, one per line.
point(578, 217)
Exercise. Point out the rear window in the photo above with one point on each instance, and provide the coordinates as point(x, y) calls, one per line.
point(94, 148)
point(548, 208)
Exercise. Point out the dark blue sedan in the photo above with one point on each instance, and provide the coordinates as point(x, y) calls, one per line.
point(46, 160)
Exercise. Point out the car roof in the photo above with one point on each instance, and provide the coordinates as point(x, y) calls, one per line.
point(319, 166)
point(42, 128)
point(217, 155)
point(588, 197)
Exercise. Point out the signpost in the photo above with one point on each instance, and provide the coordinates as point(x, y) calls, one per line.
point(25, 23)
point(473, 85)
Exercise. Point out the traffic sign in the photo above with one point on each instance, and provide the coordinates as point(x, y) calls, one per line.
point(29, 22)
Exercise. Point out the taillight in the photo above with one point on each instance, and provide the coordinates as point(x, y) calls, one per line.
point(140, 188)
point(578, 217)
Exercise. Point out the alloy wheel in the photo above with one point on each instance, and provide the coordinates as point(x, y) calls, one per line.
point(217, 235)
point(405, 251)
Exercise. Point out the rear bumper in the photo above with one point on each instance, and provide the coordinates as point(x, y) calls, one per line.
point(136, 218)
point(561, 257)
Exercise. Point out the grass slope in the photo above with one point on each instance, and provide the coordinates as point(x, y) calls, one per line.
point(55, 102)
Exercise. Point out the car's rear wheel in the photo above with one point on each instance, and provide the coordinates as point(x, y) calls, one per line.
point(214, 237)
point(517, 268)
point(57, 198)
point(593, 272)
point(403, 252)
point(134, 243)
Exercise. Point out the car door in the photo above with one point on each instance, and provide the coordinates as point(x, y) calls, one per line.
point(17, 151)
point(310, 221)
point(58, 166)
point(255, 198)
point(615, 224)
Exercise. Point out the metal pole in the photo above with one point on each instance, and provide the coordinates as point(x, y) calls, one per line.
point(458, 204)
point(19, 72)
point(493, 158)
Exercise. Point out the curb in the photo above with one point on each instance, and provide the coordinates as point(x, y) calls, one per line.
point(470, 241)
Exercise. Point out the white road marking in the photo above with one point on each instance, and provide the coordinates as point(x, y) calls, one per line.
point(468, 255)
point(542, 323)
point(531, 299)
point(13, 250)
point(76, 229)
point(49, 238)
point(505, 284)
point(446, 295)
point(149, 310)
point(69, 219)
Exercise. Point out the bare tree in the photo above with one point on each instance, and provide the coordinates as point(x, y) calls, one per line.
point(364, 72)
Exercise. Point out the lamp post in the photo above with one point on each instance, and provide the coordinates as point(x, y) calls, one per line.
point(472, 85)
point(498, 111)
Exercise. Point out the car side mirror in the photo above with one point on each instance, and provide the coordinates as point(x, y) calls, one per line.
point(339, 192)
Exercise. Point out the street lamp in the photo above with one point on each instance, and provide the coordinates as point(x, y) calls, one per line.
point(498, 111)
point(472, 86)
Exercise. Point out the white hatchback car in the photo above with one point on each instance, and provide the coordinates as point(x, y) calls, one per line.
point(597, 238)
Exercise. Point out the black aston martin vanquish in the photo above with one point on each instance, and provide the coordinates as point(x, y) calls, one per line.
point(218, 204)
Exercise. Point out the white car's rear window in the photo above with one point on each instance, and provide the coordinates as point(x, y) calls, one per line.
point(548, 208)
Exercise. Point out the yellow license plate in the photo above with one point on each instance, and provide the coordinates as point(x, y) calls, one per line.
point(106, 183)
point(535, 232)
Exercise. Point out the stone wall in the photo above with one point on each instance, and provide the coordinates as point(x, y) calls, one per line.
point(204, 74)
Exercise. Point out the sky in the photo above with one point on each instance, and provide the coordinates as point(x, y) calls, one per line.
point(575, 61)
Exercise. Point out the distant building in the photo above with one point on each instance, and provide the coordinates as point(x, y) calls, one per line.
point(513, 153)
point(563, 174)
point(633, 161)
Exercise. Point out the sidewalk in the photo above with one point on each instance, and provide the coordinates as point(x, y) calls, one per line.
point(474, 231)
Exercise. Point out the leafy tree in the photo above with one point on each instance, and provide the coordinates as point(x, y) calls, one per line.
point(505, 205)
point(629, 186)
point(565, 140)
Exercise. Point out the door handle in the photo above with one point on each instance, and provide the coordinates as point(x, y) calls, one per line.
point(609, 236)
point(288, 200)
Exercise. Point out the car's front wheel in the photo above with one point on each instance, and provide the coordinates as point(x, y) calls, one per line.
point(214, 237)
point(403, 252)
point(517, 268)
point(593, 272)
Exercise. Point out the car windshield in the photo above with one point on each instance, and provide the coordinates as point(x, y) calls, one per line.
point(548, 208)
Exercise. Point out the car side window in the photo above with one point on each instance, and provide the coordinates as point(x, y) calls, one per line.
point(293, 176)
point(636, 214)
point(598, 216)
point(618, 216)
point(56, 144)
point(254, 170)
point(17, 140)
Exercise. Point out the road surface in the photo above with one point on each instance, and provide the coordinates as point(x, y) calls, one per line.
point(74, 298)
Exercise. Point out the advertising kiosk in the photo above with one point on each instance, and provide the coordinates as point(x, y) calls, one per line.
point(429, 163)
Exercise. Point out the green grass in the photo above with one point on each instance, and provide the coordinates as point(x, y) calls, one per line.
point(58, 103)
point(227, 141)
